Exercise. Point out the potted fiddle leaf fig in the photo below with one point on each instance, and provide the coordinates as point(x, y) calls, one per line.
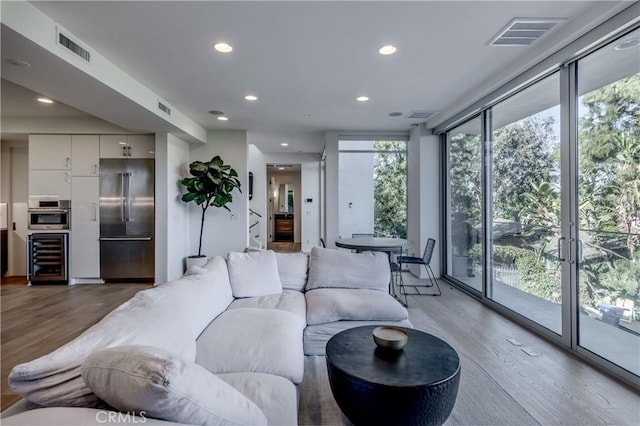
point(210, 184)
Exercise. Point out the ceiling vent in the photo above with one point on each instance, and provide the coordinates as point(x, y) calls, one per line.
point(420, 114)
point(162, 107)
point(66, 42)
point(523, 31)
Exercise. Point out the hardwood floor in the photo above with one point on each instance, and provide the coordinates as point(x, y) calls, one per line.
point(500, 383)
point(38, 319)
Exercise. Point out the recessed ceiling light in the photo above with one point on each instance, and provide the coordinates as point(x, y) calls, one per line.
point(387, 50)
point(215, 112)
point(45, 100)
point(18, 63)
point(223, 118)
point(628, 44)
point(251, 98)
point(395, 114)
point(362, 99)
point(284, 144)
point(223, 47)
point(280, 168)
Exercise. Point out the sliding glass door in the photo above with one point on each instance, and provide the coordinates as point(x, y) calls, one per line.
point(464, 233)
point(543, 205)
point(525, 203)
point(608, 163)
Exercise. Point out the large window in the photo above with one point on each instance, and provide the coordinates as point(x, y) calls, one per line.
point(525, 203)
point(556, 190)
point(465, 203)
point(372, 188)
point(609, 202)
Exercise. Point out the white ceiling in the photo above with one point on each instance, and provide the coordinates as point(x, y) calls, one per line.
point(308, 61)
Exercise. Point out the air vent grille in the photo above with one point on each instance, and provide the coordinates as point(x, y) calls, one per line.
point(74, 47)
point(523, 31)
point(162, 107)
point(420, 114)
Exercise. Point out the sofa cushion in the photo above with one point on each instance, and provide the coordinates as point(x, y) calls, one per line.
point(338, 269)
point(277, 397)
point(289, 300)
point(335, 304)
point(150, 381)
point(293, 269)
point(253, 340)
point(254, 274)
point(146, 319)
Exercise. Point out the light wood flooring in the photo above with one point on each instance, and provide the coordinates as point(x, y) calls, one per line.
point(38, 319)
point(500, 384)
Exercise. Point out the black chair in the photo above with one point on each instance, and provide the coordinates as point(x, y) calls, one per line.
point(322, 243)
point(425, 260)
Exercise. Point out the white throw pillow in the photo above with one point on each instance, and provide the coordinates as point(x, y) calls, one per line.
point(254, 274)
point(339, 269)
point(150, 381)
point(293, 268)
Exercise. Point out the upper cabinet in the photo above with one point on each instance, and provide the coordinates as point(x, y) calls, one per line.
point(50, 152)
point(127, 146)
point(85, 153)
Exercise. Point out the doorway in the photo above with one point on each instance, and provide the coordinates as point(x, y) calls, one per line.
point(284, 207)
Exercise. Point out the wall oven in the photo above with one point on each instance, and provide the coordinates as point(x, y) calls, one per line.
point(49, 214)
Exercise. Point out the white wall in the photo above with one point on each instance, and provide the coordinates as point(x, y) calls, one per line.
point(310, 204)
point(223, 231)
point(423, 199)
point(172, 214)
point(258, 203)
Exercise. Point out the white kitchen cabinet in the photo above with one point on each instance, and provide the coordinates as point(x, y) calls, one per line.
point(85, 155)
point(49, 152)
point(55, 183)
point(85, 227)
point(127, 146)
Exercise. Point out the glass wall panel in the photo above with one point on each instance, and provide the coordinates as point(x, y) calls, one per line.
point(525, 204)
point(464, 209)
point(372, 185)
point(609, 202)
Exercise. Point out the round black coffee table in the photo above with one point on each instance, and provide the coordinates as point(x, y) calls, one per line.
point(417, 385)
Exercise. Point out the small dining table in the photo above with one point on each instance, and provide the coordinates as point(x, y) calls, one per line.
point(387, 245)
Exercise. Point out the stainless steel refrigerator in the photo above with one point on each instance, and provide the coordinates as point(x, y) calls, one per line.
point(127, 219)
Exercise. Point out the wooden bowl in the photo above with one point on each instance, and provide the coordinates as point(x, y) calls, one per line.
point(390, 337)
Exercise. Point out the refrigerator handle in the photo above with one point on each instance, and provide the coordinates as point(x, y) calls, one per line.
point(128, 197)
point(122, 197)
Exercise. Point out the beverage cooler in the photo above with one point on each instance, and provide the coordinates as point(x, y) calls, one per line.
point(47, 255)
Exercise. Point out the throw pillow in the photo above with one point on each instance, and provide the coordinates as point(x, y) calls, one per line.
point(150, 381)
point(254, 274)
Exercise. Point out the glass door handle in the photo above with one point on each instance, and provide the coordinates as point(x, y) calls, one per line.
point(561, 258)
point(572, 258)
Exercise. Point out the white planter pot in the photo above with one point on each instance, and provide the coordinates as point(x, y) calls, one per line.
point(195, 261)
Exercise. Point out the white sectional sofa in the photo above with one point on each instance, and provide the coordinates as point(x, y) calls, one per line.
point(224, 344)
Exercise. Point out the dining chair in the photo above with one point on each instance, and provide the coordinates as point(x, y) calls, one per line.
point(425, 260)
